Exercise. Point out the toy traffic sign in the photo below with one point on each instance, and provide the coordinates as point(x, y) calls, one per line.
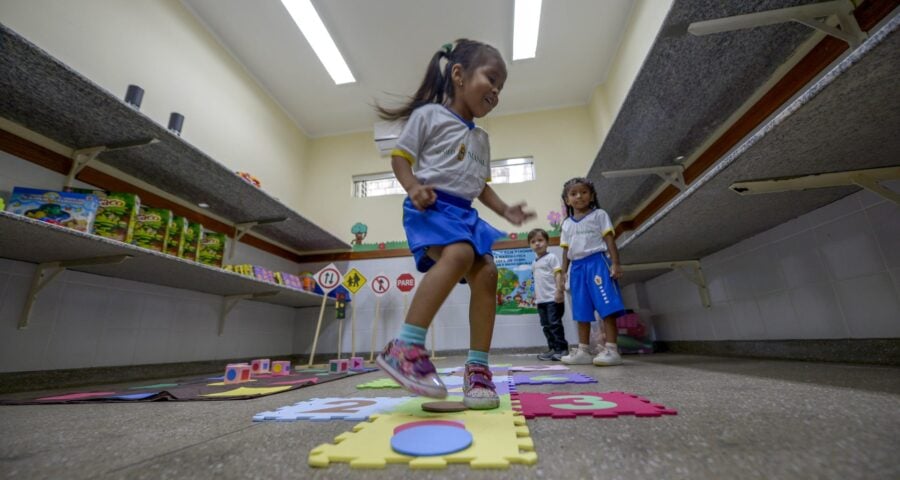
point(354, 280)
point(380, 285)
point(328, 278)
point(406, 282)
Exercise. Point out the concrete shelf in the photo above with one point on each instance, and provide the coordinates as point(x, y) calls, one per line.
point(44, 95)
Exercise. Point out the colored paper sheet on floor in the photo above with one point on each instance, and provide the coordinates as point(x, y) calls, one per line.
point(158, 385)
point(185, 389)
point(76, 396)
point(248, 392)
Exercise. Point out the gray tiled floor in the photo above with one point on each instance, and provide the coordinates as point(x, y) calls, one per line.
point(738, 418)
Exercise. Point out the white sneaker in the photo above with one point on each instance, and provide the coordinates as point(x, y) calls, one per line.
point(607, 358)
point(576, 356)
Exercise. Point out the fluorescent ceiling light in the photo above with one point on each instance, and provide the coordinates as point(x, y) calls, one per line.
point(306, 17)
point(525, 29)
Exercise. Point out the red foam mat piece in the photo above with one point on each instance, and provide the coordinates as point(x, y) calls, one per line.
point(595, 404)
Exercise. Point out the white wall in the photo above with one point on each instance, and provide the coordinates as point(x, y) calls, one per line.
point(451, 324)
point(832, 273)
point(82, 320)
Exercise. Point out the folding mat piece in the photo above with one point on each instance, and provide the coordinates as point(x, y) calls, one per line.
point(498, 440)
point(598, 405)
point(538, 368)
point(325, 409)
point(380, 383)
point(201, 388)
point(552, 378)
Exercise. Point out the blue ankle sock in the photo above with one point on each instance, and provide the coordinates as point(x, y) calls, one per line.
point(412, 334)
point(478, 357)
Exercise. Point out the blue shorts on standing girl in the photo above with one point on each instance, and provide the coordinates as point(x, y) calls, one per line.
point(589, 246)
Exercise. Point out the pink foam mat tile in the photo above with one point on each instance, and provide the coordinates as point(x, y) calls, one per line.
point(595, 404)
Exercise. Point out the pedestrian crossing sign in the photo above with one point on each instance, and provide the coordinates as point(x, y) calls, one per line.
point(354, 280)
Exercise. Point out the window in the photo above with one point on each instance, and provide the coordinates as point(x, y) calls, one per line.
point(512, 170)
point(509, 170)
point(376, 185)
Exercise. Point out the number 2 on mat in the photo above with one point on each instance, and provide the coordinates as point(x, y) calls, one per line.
point(352, 406)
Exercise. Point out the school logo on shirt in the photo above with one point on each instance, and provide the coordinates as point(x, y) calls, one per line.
point(598, 280)
point(462, 152)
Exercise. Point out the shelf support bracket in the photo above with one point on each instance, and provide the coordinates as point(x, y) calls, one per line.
point(808, 15)
point(46, 272)
point(241, 229)
point(690, 269)
point(870, 179)
point(230, 301)
point(671, 174)
point(84, 156)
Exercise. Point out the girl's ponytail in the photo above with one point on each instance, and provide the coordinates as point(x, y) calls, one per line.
point(437, 86)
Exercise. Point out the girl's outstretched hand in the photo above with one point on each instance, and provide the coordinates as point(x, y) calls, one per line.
point(422, 196)
point(517, 215)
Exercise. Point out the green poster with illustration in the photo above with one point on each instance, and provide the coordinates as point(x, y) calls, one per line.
point(515, 283)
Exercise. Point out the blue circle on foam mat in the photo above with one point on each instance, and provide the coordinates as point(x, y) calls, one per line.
point(430, 440)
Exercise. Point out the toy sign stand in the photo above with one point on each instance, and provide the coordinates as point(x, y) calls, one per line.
point(328, 279)
point(380, 285)
point(353, 281)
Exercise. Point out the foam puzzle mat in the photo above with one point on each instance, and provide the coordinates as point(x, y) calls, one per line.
point(552, 378)
point(598, 405)
point(498, 441)
point(325, 409)
point(490, 439)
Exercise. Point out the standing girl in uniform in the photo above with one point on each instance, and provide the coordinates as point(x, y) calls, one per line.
point(589, 246)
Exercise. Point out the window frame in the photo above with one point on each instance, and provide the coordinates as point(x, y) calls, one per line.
point(499, 163)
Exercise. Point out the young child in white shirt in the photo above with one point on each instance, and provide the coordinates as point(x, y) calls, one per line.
point(548, 294)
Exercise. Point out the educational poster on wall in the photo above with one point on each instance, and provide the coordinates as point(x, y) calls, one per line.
point(515, 282)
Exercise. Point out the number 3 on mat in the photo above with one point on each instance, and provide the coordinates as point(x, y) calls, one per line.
point(580, 402)
point(352, 406)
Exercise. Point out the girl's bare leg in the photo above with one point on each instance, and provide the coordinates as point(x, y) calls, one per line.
point(482, 280)
point(453, 261)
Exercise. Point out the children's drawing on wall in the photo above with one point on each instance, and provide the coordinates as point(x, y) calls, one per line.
point(359, 231)
point(515, 284)
point(555, 218)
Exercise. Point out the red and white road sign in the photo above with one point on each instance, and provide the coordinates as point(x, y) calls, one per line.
point(381, 284)
point(328, 278)
point(406, 282)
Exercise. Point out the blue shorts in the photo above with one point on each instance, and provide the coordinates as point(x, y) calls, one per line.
point(450, 219)
point(593, 289)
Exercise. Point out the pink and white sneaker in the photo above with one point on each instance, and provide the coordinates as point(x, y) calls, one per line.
point(409, 365)
point(480, 392)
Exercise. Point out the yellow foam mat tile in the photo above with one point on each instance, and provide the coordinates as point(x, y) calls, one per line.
point(498, 439)
point(240, 392)
point(413, 407)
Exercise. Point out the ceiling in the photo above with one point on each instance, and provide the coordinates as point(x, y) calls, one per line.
point(851, 123)
point(388, 43)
